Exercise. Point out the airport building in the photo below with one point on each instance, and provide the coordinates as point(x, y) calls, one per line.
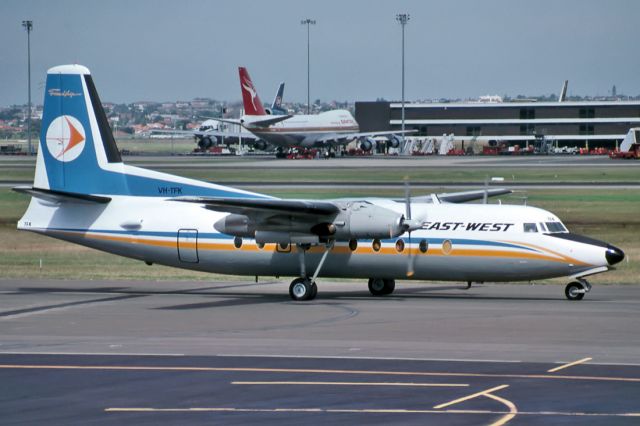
point(593, 123)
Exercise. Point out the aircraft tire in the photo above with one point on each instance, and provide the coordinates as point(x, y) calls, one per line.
point(389, 286)
point(314, 291)
point(571, 291)
point(301, 289)
point(377, 286)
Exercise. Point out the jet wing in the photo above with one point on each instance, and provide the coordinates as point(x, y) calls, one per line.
point(216, 133)
point(251, 206)
point(267, 121)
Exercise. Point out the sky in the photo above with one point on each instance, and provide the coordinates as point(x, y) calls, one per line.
point(165, 50)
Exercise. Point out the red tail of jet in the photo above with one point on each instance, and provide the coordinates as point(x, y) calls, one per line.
point(250, 98)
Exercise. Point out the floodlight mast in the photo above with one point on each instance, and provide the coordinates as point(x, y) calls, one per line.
point(402, 18)
point(308, 22)
point(28, 25)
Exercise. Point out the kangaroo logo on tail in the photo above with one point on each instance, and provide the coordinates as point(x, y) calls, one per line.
point(250, 99)
point(65, 138)
point(248, 86)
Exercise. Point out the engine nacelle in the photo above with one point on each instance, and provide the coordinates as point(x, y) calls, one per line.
point(260, 145)
point(393, 142)
point(207, 142)
point(358, 220)
point(365, 220)
point(367, 144)
point(237, 225)
point(268, 111)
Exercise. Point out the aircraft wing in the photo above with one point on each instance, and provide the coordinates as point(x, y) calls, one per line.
point(251, 206)
point(257, 123)
point(203, 133)
point(463, 196)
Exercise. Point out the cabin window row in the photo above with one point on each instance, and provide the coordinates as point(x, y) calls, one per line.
point(376, 245)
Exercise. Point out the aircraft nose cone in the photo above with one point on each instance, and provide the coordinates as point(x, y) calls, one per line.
point(614, 255)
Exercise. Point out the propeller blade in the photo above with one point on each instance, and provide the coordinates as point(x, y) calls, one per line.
point(411, 259)
point(407, 198)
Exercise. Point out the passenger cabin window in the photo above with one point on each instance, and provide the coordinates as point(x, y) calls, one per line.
point(556, 227)
point(530, 227)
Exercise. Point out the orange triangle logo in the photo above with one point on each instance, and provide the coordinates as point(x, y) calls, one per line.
point(74, 139)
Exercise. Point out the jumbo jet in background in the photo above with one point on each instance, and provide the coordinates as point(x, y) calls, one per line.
point(83, 193)
point(325, 130)
point(210, 131)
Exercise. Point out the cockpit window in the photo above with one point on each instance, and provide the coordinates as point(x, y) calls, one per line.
point(556, 227)
point(530, 227)
point(542, 227)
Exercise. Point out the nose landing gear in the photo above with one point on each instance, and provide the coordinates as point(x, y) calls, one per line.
point(577, 289)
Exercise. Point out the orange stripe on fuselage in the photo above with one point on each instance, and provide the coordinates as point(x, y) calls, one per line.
point(367, 250)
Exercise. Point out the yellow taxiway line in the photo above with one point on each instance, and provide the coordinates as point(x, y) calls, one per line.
point(354, 384)
point(355, 410)
point(570, 364)
point(315, 371)
point(468, 397)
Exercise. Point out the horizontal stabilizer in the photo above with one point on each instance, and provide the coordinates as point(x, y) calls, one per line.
point(57, 196)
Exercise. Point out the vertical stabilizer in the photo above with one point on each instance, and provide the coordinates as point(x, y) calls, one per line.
point(563, 92)
point(277, 101)
point(250, 98)
point(77, 151)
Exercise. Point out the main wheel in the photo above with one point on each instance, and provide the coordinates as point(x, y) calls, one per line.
point(376, 286)
point(574, 291)
point(389, 286)
point(301, 289)
point(314, 291)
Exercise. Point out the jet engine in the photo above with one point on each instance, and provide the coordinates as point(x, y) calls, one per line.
point(393, 142)
point(260, 145)
point(207, 142)
point(366, 144)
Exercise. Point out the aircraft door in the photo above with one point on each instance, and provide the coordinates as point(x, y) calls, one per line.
point(188, 245)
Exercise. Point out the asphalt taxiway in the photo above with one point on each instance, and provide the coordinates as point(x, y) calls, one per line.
point(240, 351)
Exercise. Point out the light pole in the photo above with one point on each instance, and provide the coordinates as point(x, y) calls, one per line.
point(308, 22)
point(28, 25)
point(402, 18)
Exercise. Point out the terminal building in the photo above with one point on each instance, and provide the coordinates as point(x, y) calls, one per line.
point(593, 123)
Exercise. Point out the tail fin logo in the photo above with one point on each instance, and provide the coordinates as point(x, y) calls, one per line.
point(248, 86)
point(65, 138)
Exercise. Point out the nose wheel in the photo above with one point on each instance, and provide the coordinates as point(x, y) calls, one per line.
point(577, 289)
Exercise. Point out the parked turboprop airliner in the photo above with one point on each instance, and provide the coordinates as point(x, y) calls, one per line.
point(85, 194)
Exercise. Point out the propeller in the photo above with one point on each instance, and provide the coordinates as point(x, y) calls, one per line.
point(409, 225)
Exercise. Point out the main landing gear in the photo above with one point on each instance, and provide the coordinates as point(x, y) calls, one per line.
point(305, 288)
point(576, 290)
point(380, 287)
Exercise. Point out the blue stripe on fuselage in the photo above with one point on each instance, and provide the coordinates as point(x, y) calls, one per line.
point(217, 235)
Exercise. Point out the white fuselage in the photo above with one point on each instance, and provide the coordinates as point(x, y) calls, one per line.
point(455, 243)
point(305, 130)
